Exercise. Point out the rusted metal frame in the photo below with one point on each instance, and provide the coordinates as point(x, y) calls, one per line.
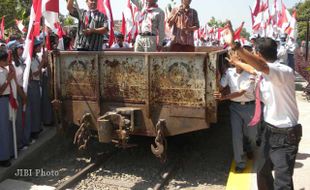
point(211, 85)
point(98, 83)
point(307, 40)
point(149, 83)
point(97, 98)
point(58, 78)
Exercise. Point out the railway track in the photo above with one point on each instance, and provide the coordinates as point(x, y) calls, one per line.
point(99, 161)
point(162, 177)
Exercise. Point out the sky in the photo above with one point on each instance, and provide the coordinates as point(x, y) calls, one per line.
point(235, 10)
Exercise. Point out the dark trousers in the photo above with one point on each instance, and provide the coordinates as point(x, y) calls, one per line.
point(278, 152)
point(291, 61)
point(181, 48)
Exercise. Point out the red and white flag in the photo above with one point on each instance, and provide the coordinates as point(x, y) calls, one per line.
point(291, 30)
point(237, 34)
point(256, 8)
point(50, 12)
point(130, 21)
point(33, 31)
point(261, 18)
point(284, 19)
point(104, 6)
point(123, 28)
point(20, 26)
point(2, 28)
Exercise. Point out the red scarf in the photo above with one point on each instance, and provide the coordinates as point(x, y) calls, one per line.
point(147, 10)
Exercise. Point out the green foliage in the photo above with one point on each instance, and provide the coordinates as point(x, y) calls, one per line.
point(245, 33)
point(303, 12)
point(7, 9)
point(14, 9)
point(216, 23)
point(68, 21)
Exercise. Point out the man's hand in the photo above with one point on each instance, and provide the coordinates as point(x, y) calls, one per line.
point(88, 31)
point(218, 96)
point(233, 58)
point(24, 100)
point(229, 34)
point(11, 76)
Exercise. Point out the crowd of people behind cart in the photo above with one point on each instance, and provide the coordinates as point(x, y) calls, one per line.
point(32, 106)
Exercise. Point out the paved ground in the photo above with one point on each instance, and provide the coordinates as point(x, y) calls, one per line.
point(302, 166)
point(47, 134)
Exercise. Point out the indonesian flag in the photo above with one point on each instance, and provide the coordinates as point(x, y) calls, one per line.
point(238, 32)
point(256, 8)
point(220, 33)
point(20, 26)
point(104, 6)
point(260, 20)
point(123, 28)
point(291, 29)
point(2, 28)
point(48, 44)
point(284, 18)
point(33, 31)
point(50, 11)
point(60, 33)
point(131, 25)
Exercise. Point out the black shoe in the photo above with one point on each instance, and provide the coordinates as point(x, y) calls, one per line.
point(239, 169)
point(5, 163)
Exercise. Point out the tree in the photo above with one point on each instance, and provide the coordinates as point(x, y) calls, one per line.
point(68, 21)
point(14, 9)
point(303, 13)
point(216, 23)
point(245, 33)
point(7, 9)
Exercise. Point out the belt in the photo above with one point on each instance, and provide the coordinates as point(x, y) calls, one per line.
point(147, 34)
point(275, 129)
point(244, 103)
point(4, 96)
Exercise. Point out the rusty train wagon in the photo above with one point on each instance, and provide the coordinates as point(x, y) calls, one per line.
point(119, 94)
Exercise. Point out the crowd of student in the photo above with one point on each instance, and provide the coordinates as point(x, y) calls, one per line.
point(27, 111)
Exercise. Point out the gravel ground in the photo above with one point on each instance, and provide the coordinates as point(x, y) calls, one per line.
point(206, 159)
point(204, 166)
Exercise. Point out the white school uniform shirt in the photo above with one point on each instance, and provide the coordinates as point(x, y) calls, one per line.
point(282, 54)
point(236, 82)
point(35, 67)
point(3, 76)
point(278, 94)
point(291, 46)
point(19, 73)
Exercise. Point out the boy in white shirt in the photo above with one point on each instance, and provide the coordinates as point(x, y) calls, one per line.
point(281, 133)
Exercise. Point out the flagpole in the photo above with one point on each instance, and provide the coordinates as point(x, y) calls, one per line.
point(14, 135)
